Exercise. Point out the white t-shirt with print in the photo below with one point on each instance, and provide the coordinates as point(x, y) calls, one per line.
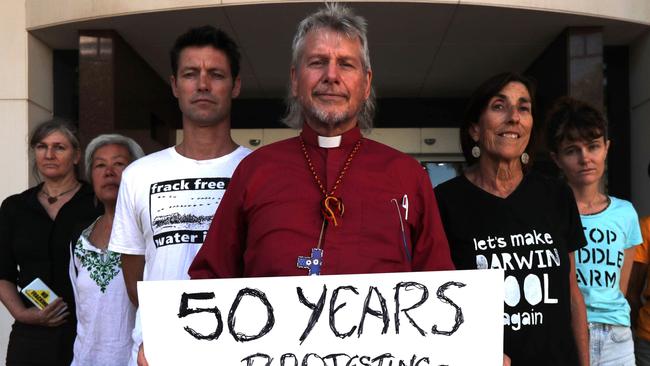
point(164, 209)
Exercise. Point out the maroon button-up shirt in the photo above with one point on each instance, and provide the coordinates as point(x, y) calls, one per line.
point(270, 214)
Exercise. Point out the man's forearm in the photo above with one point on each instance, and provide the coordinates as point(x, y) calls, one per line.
point(133, 269)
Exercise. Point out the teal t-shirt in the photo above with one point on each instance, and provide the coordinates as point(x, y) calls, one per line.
point(598, 265)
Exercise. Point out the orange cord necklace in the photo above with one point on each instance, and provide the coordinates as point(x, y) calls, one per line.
point(331, 206)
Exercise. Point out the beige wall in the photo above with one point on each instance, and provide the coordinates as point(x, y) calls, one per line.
point(631, 10)
point(25, 100)
point(25, 93)
point(13, 95)
point(640, 119)
point(13, 109)
point(41, 13)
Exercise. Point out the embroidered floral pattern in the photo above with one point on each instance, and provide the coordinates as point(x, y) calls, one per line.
point(102, 267)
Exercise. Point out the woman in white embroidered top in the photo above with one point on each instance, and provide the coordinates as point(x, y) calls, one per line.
point(105, 314)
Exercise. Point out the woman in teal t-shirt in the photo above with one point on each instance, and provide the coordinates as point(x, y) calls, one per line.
point(577, 140)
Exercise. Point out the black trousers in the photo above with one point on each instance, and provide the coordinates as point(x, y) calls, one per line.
point(33, 345)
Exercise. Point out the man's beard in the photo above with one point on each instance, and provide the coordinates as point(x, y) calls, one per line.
point(328, 118)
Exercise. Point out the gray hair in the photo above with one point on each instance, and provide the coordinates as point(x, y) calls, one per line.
point(67, 128)
point(110, 139)
point(64, 126)
point(340, 19)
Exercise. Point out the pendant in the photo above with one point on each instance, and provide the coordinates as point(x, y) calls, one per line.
point(331, 207)
point(51, 200)
point(313, 263)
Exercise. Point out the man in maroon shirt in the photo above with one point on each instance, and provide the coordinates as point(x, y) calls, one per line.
point(328, 201)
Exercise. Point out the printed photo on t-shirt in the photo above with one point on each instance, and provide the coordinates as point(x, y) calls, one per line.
point(181, 210)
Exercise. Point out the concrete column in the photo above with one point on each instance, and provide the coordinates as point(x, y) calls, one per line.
point(25, 100)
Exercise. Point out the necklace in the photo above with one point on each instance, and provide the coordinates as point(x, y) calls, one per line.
point(592, 208)
point(52, 199)
point(331, 207)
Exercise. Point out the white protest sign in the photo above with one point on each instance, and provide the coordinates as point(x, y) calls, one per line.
point(412, 319)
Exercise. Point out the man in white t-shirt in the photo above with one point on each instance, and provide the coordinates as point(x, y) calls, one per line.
point(167, 199)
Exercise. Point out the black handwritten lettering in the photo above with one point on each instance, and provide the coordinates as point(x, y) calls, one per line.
point(381, 358)
point(251, 359)
point(337, 359)
point(334, 309)
point(287, 355)
point(185, 310)
point(407, 286)
point(270, 318)
point(412, 363)
point(334, 357)
point(305, 360)
point(316, 309)
point(459, 312)
point(365, 360)
point(367, 310)
point(349, 363)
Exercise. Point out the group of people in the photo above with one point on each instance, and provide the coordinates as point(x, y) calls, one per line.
point(58, 232)
point(328, 201)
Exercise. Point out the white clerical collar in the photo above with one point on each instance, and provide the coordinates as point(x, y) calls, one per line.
point(329, 142)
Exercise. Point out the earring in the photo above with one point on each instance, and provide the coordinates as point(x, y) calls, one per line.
point(525, 158)
point(476, 152)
